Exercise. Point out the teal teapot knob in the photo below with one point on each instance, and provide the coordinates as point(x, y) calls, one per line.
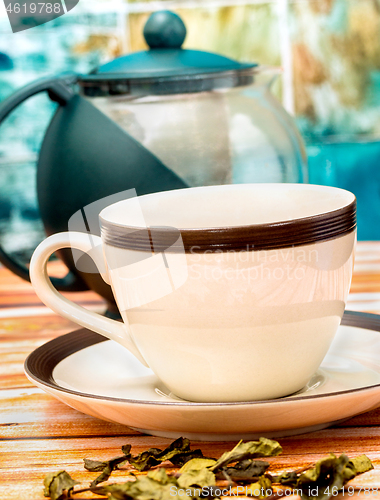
point(164, 30)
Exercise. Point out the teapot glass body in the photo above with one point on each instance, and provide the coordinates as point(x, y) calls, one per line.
point(223, 136)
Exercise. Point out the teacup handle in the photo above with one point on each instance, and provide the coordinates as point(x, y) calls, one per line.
point(92, 245)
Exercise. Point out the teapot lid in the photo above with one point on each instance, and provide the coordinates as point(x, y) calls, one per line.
point(165, 68)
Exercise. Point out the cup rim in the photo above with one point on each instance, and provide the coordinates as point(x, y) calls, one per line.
point(261, 236)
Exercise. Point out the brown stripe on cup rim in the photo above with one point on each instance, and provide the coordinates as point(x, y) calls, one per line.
point(282, 234)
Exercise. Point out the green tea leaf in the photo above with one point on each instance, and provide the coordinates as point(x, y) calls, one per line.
point(144, 488)
point(126, 449)
point(261, 489)
point(286, 479)
point(262, 448)
point(182, 458)
point(94, 465)
point(361, 464)
point(58, 485)
point(161, 476)
point(247, 469)
point(179, 445)
point(197, 464)
point(106, 468)
point(156, 485)
point(178, 452)
point(320, 482)
point(178, 448)
point(327, 477)
point(201, 477)
point(146, 460)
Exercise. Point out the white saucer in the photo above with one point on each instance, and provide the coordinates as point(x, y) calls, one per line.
point(98, 377)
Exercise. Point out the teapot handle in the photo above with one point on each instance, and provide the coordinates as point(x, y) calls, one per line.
point(58, 89)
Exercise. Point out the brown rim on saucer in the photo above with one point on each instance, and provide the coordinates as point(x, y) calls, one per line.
point(283, 234)
point(40, 364)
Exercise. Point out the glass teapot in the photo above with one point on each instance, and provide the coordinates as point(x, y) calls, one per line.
point(210, 119)
point(155, 120)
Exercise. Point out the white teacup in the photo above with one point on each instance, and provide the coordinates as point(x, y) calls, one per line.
point(241, 302)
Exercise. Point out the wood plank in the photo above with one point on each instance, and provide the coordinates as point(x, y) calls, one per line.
point(29, 413)
point(365, 419)
point(19, 337)
point(17, 293)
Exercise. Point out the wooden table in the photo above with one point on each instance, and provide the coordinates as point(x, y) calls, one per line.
point(39, 434)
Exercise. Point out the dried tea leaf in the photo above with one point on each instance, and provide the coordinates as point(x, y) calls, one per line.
point(247, 469)
point(106, 468)
point(146, 460)
point(161, 476)
point(262, 448)
point(179, 445)
point(58, 485)
point(126, 449)
point(197, 464)
point(94, 465)
point(261, 489)
point(286, 479)
point(178, 448)
point(144, 488)
point(328, 475)
point(178, 452)
point(184, 457)
point(319, 482)
point(361, 464)
point(147, 488)
point(198, 477)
